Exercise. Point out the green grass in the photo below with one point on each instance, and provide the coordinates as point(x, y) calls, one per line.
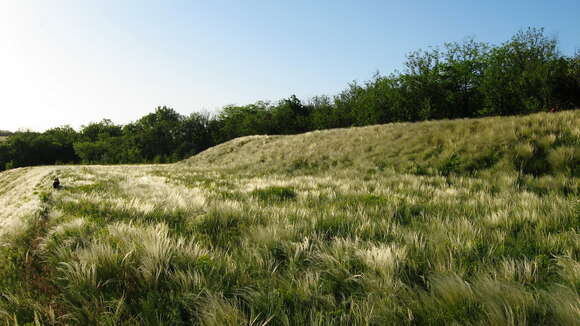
point(274, 194)
point(468, 222)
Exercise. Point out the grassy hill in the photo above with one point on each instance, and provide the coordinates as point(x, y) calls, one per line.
point(468, 222)
point(537, 144)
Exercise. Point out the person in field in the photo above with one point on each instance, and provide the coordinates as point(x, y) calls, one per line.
point(56, 183)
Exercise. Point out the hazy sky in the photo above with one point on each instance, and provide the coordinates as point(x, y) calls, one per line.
point(74, 62)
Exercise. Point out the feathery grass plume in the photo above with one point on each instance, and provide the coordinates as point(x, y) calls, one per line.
point(563, 304)
point(217, 311)
point(521, 271)
point(450, 300)
point(383, 259)
point(72, 234)
point(342, 271)
point(508, 303)
point(569, 272)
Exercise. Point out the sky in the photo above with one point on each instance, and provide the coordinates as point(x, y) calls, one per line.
point(75, 62)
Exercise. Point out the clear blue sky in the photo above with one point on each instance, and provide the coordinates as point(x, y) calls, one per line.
point(73, 62)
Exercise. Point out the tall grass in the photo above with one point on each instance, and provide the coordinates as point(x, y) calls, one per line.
point(354, 242)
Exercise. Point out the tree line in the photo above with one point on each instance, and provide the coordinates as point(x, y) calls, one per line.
point(464, 79)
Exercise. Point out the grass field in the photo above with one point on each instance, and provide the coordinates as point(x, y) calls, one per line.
point(467, 222)
point(3, 138)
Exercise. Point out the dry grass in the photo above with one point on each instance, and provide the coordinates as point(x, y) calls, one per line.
point(18, 196)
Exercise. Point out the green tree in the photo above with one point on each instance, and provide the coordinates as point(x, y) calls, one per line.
point(155, 135)
point(62, 140)
point(422, 81)
point(565, 82)
point(290, 116)
point(100, 130)
point(195, 136)
point(462, 73)
point(516, 79)
point(321, 109)
point(237, 121)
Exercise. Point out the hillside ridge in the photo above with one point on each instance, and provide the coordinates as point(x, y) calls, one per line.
point(538, 144)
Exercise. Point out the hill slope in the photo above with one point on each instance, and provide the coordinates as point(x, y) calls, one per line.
point(544, 143)
point(313, 229)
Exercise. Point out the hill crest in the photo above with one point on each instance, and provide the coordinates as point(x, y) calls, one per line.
point(538, 144)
